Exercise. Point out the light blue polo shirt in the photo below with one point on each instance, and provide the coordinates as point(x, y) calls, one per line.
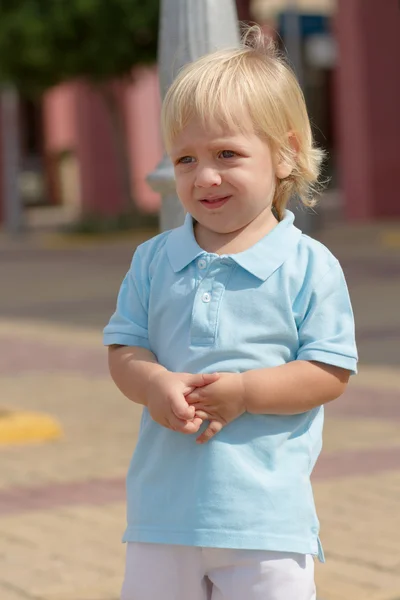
point(283, 299)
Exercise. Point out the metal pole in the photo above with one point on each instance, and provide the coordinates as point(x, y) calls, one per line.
point(292, 38)
point(11, 160)
point(188, 29)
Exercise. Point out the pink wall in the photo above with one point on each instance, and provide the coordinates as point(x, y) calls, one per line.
point(368, 101)
point(102, 191)
point(142, 107)
point(59, 117)
point(76, 119)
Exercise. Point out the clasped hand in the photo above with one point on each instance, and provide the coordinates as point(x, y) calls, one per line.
point(182, 401)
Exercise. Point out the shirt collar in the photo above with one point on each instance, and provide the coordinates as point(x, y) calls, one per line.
point(261, 260)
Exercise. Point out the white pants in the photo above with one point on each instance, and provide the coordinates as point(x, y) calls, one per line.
point(163, 572)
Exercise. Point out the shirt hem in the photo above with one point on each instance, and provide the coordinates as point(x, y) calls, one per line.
point(227, 539)
point(336, 360)
point(123, 339)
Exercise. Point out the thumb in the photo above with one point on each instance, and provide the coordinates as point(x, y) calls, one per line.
point(201, 379)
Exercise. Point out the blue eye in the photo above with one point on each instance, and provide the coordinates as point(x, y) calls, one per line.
point(186, 160)
point(228, 153)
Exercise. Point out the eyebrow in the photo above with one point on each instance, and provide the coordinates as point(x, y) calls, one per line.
point(228, 141)
point(220, 143)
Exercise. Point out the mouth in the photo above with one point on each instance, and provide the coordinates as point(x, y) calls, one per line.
point(213, 203)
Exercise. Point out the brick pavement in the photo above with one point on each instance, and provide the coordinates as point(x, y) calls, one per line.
point(62, 503)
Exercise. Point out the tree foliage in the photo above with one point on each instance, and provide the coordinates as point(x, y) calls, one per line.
point(45, 42)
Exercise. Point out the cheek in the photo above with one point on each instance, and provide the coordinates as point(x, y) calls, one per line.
point(248, 181)
point(256, 184)
point(265, 174)
point(241, 180)
point(182, 184)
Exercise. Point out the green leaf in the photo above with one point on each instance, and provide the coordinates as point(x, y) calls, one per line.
point(44, 42)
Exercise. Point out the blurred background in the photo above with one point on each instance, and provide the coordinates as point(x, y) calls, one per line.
point(87, 109)
point(82, 176)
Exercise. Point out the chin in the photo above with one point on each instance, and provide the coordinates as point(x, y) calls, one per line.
point(222, 229)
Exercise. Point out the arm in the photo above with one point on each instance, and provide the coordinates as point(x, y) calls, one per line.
point(289, 389)
point(131, 369)
point(293, 388)
point(326, 356)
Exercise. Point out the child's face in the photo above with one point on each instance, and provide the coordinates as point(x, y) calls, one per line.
point(225, 179)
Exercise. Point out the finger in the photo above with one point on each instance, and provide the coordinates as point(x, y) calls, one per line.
point(213, 428)
point(193, 398)
point(175, 423)
point(208, 378)
point(188, 427)
point(203, 415)
point(181, 408)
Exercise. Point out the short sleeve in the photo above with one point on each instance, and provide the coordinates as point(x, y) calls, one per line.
point(326, 333)
point(128, 325)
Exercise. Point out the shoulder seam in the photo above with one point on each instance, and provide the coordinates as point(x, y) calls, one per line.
point(334, 265)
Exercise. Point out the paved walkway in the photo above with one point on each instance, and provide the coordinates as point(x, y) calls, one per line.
point(62, 503)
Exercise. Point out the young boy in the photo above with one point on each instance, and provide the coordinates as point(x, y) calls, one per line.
point(232, 331)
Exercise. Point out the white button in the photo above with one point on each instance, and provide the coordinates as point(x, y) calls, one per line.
point(201, 263)
point(206, 297)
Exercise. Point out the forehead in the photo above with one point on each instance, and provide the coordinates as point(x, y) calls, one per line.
point(200, 132)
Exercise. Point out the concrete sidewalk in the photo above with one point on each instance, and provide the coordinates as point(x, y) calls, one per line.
point(62, 506)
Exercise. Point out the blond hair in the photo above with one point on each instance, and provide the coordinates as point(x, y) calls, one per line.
point(254, 80)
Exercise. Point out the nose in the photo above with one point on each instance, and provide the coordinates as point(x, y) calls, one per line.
point(207, 176)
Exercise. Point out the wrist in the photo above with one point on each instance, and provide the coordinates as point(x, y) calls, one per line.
point(241, 391)
point(152, 381)
point(248, 392)
point(258, 388)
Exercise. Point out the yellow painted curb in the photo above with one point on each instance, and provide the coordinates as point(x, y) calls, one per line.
point(391, 239)
point(20, 427)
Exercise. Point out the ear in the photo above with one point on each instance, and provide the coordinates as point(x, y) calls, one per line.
point(284, 167)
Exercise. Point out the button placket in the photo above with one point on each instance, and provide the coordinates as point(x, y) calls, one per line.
point(206, 304)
